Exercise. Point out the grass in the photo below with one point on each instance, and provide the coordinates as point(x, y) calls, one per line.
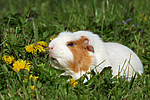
point(27, 22)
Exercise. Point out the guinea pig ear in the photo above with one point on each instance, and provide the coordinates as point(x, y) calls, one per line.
point(86, 41)
point(89, 47)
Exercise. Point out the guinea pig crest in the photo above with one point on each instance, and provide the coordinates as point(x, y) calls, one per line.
point(81, 51)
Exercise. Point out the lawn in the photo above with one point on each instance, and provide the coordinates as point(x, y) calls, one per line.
point(27, 27)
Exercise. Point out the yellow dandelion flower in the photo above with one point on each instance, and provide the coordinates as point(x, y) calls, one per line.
point(5, 57)
point(145, 18)
point(53, 37)
point(6, 44)
point(42, 43)
point(73, 82)
point(25, 79)
point(31, 49)
point(41, 63)
point(46, 48)
point(8, 59)
point(34, 77)
point(40, 48)
point(20, 64)
point(27, 67)
point(142, 15)
point(30, 76)
point(32, 87)
point(31, 93)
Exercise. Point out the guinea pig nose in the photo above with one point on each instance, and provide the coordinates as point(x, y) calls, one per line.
point(51, 48)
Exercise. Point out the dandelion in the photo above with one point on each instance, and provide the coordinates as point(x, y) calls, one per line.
point(73, 82)
point(46, 48)
point(18, 65)
point(32, 88)
point(27, 67)
point(145, 18)
point(142, 15)
point(25, 79)
point(53, 37)
point(6, 44)
point(39, 48)
point(8, 59)
point(21, 64)
point(42, 43)
point(41, 64)
point(34, 78)
point(31, 76)
point(31, 49)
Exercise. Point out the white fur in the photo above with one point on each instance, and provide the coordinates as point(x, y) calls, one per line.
point(60, 51)
point(114, 55)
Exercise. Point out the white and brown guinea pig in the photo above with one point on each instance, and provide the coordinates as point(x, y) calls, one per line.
point(82, 51)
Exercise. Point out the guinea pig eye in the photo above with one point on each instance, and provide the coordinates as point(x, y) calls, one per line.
point(71, 44)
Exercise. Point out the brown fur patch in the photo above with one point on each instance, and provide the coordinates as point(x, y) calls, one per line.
point(82, 59)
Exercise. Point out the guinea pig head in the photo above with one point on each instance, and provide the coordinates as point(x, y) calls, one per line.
point(71, 55)
point(82, 53)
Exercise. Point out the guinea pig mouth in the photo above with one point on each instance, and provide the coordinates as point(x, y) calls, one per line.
point(54, 59)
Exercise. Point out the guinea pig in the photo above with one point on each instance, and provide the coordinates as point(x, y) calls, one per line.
point(82, 51)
